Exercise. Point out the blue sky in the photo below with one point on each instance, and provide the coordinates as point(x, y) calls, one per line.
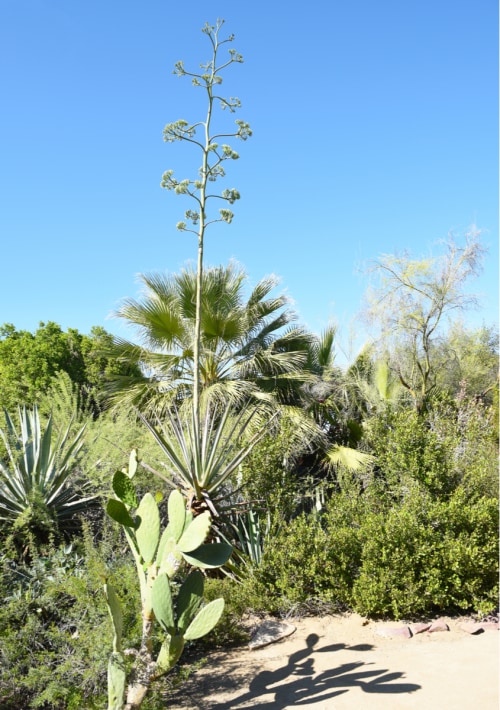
point(375, 129)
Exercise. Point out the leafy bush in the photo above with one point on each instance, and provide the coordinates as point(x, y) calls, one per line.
point(312, 558)
point(240, 600)
point(385, 558)
point(451, 444)
point(407, 450)
point(296, 564)
point(265, 475)
point(427, 557)
point(468, 431)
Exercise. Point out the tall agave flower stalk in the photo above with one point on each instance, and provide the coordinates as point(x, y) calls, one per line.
point(213, 156)
point(203, 453)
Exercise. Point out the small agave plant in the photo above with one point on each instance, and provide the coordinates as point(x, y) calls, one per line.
point(159, 558)
point(36, 480)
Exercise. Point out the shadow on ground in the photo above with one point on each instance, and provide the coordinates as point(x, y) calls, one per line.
point(295, 683)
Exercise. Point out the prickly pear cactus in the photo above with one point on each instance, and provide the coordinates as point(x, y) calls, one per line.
point(185, 619)
point(116, 681)
point(159, 558)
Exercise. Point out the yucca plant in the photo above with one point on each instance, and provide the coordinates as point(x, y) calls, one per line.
point(200, 461)
point(35, 487)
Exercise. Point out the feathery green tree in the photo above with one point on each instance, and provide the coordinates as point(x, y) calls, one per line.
point(412, 302)
point(29, 362)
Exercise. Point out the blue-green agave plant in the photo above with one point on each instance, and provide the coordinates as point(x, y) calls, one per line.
point(36, 473)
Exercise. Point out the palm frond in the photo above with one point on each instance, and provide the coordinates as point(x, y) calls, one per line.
point(240, 339)
point(351, 459)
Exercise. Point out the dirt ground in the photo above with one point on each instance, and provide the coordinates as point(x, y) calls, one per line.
point(343, 663)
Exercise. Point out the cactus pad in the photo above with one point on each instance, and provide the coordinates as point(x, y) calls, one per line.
point(148, 531)
point(163, 606)
point(209, 556)
point(189, 599)
point(124, 489)
point(195, 534)
point(205, 620)
point(176, 514)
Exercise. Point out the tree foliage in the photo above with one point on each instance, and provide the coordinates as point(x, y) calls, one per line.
point(412, 302)
point(29, 362)
point(467, 362)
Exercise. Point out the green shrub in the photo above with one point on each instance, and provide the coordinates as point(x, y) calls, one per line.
point(241, 598)
point(407, 450)
point(426, 557)
point(314, 558)
point(452, 444)
point(54, 625)
point(266, 475)
point(296, 565)
point(394, 552)
point(384, 558)
point(467, 557)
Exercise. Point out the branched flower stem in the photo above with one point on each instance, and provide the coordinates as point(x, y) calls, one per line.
point(209, 171)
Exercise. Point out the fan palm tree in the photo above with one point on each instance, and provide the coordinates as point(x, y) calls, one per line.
point(329, 399)
point(375, 386)
point(250, 349)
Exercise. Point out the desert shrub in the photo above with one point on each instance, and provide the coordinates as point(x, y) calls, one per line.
point(467, 555)
point(394, 553)
point(55, 631)
point(406, 449)
point(241, 599)
point(386, 558)
point(467, 429)
point(345, 516)
point(452, 443)
point(313, 558)
point(296, 565)
point(424, 557)
point(108, 444)
point(268, 476)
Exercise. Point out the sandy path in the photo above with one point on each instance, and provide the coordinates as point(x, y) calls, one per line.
point(339, 663)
